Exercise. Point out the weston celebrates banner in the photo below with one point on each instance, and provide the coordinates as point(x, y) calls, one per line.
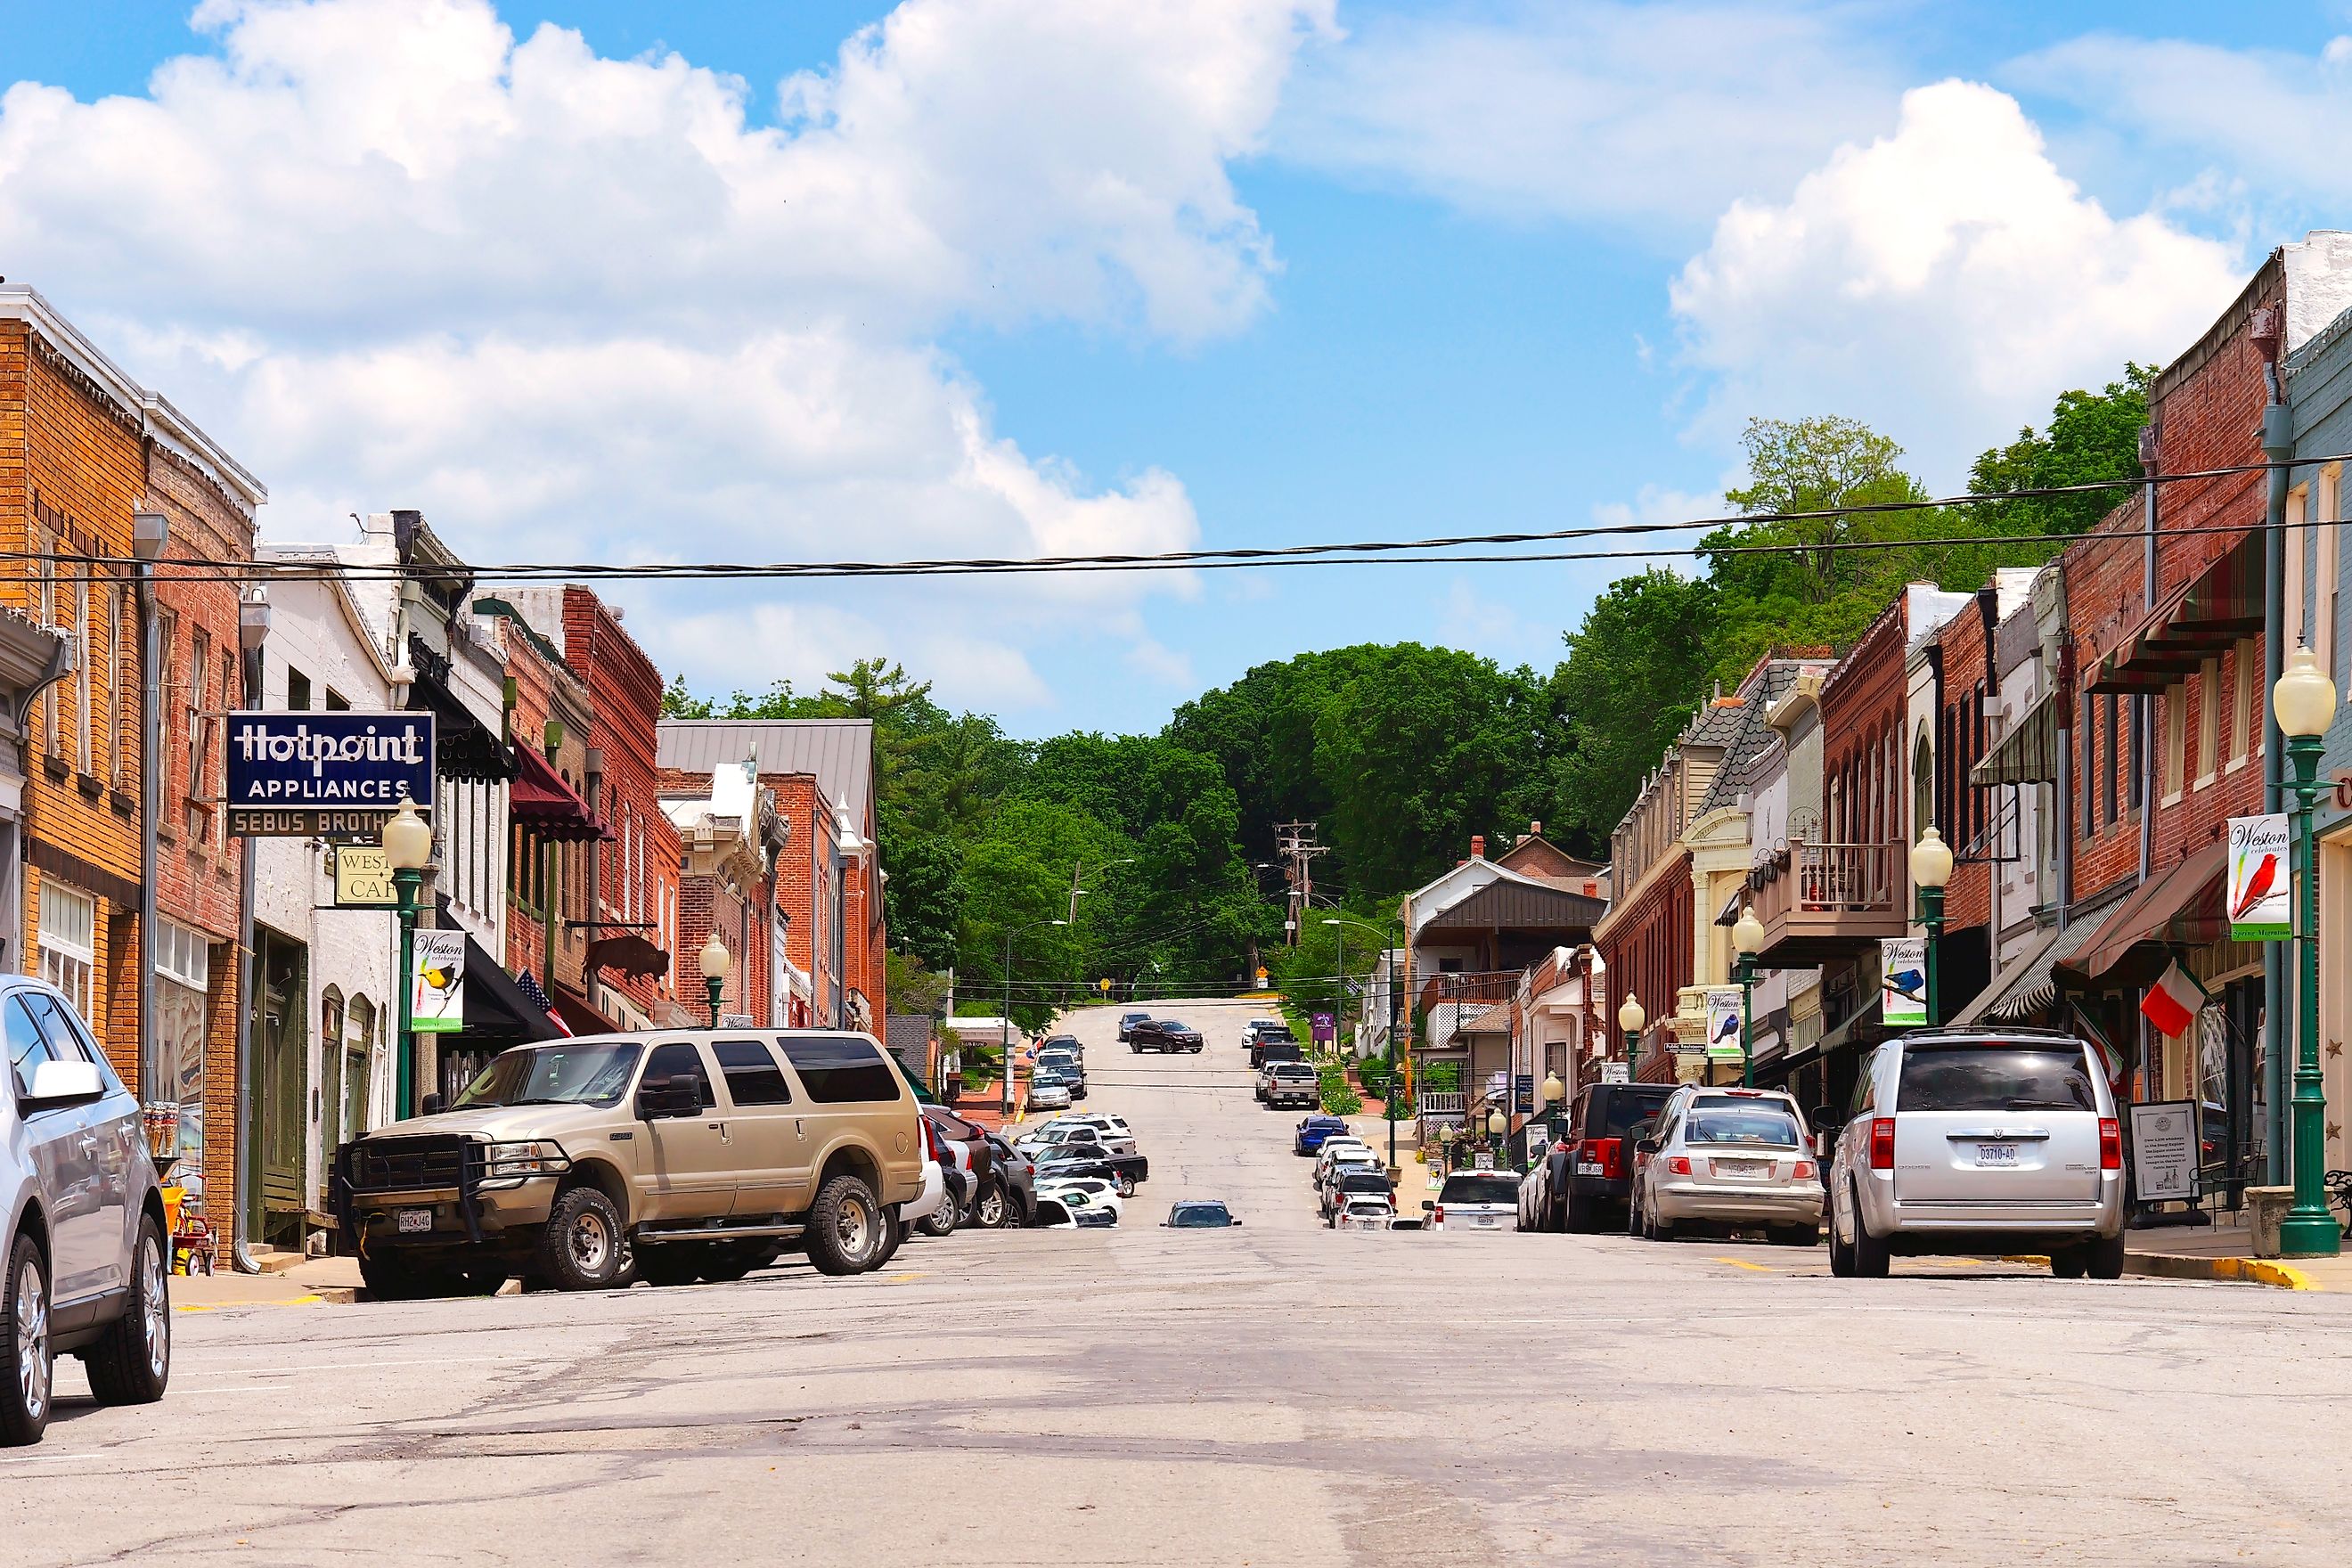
point(316, 774)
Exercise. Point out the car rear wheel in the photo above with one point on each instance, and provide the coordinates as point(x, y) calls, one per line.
point(1575, 1215)
point(132, 1361)
point(2104, 1258)
point(941, 1221)
point(846, 1227)
point(2066, 1262)
point(991, 1211)
point(1872, 1255)
point(26, 1359)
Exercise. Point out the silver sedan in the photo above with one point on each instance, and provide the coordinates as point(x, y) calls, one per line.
point(1730, 1158)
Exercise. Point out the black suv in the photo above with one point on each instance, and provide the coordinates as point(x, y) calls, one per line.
point(1162, 1034)
point(1593, 1164)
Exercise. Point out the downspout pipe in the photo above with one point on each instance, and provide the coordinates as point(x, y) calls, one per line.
point(148, 532)
point(252, 632)
point(2278, 449)
point(2144, 715)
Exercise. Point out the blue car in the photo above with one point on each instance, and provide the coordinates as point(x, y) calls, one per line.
point(1314, 1130)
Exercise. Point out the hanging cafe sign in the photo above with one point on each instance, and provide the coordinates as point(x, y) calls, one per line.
point(316, 775)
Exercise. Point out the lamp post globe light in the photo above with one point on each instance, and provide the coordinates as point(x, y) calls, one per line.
point(717, 964)
point(407, 841)
point(1497, 1126)
point(1931, 867)
point(2303, 703)
point(1554, 1091)
point(1632, 1019)
point(1747, 937)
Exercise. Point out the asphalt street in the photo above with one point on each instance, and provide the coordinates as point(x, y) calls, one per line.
point(1278, 1393)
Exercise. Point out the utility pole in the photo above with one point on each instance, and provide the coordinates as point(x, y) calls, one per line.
point(1295, 842)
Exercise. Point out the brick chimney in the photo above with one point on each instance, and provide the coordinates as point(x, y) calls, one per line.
point(1535, 830)
point(1477, 846)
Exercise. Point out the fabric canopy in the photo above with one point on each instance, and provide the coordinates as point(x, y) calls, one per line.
point(2205, 615)
point(2182, 905)
point(545, 806)
point(575, 1010)
point(2028, 753)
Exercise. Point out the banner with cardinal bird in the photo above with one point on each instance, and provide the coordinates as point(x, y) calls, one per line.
point(2259, 904)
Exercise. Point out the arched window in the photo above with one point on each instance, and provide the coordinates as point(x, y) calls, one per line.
point(1923, 784)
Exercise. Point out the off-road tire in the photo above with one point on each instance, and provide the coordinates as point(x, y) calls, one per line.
point(582, 1247)
point(846, 1227)
point(1872, 1255)
point(131, 1361)
point(895, 1234)
point(27, 1366)
point(671, 1263)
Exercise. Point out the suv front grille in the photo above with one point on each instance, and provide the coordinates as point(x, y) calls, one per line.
point(398, 1164)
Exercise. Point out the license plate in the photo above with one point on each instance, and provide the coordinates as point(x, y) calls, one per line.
point(1486, 1222)
point(410, 1222)
point(1996, 1156)
point(1746, 1169)
point(1588, 1168)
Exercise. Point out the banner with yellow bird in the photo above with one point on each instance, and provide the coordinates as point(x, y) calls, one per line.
point(436, 991)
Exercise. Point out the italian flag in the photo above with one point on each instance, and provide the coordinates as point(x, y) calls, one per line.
point(2174, 1001)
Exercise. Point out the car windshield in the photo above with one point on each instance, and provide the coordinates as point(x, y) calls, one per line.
point(573, 1073)
point(2001, 1076)
point(1363, 1181)
point(1186, 1216)
point(1480, 1188)
point(1733, 1122)
point(1177, 1025)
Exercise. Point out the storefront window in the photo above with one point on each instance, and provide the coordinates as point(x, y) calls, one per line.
point(182, 980)
point(69, 956)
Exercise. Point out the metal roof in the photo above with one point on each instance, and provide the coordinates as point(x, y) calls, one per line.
point(1515, 906)
point(838, 752)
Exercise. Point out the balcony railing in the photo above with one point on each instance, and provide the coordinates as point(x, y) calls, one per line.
point(1819, 900)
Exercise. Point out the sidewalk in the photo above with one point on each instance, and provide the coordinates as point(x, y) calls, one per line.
point(2226, 1252)
point(319, 1280)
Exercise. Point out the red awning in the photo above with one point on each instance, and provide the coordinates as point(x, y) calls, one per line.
point(580, 1017)
point(2176, 907)
point(547, 807)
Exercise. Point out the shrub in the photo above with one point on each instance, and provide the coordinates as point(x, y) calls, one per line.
point(1339, 1097)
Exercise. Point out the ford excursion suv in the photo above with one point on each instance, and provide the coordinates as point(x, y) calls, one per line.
point(668, 1156)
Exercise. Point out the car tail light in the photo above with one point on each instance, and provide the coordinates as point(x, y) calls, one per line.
point(1679, 1166)
point(2111, 1145)
point(1881, 1143)
point(1437, 1214)
point(1803, 1172)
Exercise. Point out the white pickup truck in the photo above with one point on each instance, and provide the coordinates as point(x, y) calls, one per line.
point(1288, 1083)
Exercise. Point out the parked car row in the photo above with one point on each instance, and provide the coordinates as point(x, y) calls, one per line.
point(1956, 1141)
point(1352, 1190)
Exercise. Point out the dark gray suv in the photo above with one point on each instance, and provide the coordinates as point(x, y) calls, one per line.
point(84, 1244)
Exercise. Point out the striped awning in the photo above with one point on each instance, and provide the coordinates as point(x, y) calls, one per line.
point(2205, 615)
point(2028, 753)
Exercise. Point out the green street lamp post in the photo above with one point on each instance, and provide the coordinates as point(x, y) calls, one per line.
point(2303, 702)
point(407, 849)
point(1499, 1127)
point(1931, 867)
point(1632, 1019)
point(1748, 936)
point(717, 962)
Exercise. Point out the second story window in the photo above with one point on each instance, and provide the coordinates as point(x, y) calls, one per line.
point(298, 690)
point(198, 732)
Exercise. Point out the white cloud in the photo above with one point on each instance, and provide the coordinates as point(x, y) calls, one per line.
point(574, 307)
point(1945, 282)
point(2275, 122)
point(1636, 114)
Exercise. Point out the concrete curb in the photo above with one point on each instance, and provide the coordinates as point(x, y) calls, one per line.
point(2222, 1270)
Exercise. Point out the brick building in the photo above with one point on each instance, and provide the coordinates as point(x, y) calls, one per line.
point(829, 929)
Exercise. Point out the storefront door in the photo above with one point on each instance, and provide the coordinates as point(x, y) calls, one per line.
point(281, 1050)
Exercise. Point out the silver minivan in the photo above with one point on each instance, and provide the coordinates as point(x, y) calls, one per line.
point(86, 1270)
point(1979, 1141)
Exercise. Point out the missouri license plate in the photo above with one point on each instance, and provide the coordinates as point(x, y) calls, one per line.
point(413, 1222)
point(1744, 1170)
point(1996, 1156)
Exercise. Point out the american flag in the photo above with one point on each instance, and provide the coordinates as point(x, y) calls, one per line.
point(529, 987)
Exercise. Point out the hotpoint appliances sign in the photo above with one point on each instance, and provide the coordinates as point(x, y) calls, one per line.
point(316, 775)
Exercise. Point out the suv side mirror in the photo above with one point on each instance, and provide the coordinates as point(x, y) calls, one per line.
point(57, 1085)
point(1825, 1119)
point(1428, 1207)
point(1647, 1145)
point(676, 1095)
point(431, 1105)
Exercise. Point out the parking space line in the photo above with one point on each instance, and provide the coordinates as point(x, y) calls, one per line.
point(1743, 1263)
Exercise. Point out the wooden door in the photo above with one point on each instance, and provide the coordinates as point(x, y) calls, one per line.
point(283, 1048)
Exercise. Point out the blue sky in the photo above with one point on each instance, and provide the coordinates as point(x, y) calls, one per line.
point(1054, 277)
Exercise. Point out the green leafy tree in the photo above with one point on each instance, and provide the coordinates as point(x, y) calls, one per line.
point(2092, 436)
point(1636, 670)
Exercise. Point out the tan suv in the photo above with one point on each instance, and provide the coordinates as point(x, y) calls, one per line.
point(667, 1156)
